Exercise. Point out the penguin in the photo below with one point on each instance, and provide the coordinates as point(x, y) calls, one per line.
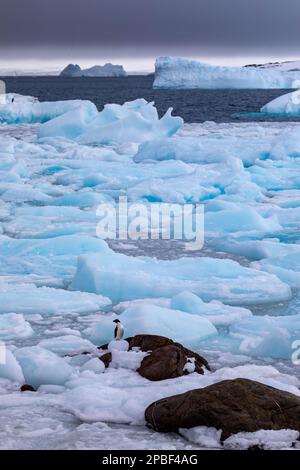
point(119, 330)
point(13, 99)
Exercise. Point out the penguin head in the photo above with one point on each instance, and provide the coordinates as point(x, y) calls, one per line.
point(116, 321)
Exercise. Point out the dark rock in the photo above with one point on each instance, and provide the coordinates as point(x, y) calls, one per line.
point(27, 388)
point(157, 365)
point(106, 358)
point(239, 405)
point(163, 363)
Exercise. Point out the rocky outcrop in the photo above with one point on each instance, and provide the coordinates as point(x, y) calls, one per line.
point(166, 359)
point(239, 405)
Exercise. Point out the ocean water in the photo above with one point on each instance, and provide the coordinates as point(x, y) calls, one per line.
point(191, 105)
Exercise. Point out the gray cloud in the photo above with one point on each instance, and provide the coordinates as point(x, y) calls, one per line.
point(57, 27)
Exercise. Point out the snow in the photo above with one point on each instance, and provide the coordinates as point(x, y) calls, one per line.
point(288, 104)
point(264, 439)
point(181, 73)
point(11, 369)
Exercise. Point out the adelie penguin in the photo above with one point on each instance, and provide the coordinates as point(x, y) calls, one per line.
point(119, 330)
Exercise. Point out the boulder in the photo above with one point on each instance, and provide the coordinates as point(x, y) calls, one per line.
point(233, 406)
point(106, 358)
point(27, 388)
point(163, 363)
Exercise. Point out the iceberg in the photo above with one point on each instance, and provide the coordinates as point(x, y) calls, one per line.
point(26, 110)
point(134, 121)
point(107, 70)
point(181, 73)
point(286, 105)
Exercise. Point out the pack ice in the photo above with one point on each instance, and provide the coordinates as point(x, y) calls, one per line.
point(236, 301)
point(181, 73)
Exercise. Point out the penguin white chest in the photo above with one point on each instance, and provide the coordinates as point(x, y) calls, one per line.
point(119, 331)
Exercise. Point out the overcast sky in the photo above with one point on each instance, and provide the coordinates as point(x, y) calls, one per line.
point(54, 32)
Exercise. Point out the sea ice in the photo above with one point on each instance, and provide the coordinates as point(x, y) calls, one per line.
point(29, 299)
point(67, 345)
point(122, 277)
point(14, 326)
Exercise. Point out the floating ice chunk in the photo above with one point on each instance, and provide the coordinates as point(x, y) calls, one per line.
point(41, 366)
point(71, 123)
point(177, 72)
point(286, 267)
point(122, 277)
point(29, 299)
point(11, 369)
point(67, 345)
point(13, 326)
point(264, 439)
point(81, 199)
point(240, 220)
point(288, 104)
point(182, 327)
point(266, 336)
point(216, 312)
point(95, 365)
point(29, 110)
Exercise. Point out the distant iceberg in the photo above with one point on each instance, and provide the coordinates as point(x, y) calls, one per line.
point(107, 70)
point(288, 105)
point(180, 73)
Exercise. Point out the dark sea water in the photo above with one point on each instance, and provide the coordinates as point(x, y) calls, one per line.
point(192, 105)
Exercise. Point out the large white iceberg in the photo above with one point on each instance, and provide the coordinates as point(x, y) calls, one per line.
point(181, 73)
point(288, 104)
